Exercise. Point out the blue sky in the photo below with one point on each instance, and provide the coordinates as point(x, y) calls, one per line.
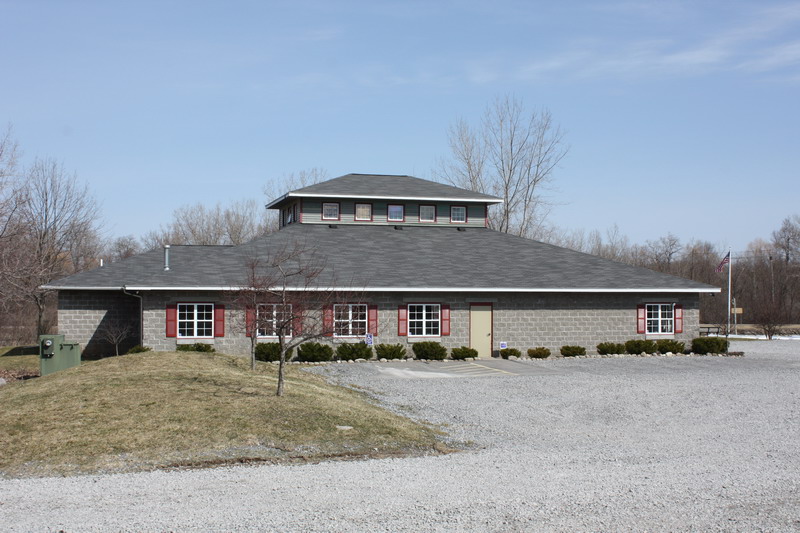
point(682, 117)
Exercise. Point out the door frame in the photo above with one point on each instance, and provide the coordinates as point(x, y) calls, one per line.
point(491, 325)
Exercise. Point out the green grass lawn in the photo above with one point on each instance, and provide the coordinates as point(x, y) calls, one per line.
point(167, 409)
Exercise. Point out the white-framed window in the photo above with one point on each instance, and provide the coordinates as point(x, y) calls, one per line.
point(196, 320)
point(427, 213)
point(349, 320)
point(395, 213)
point(424, 320)
point(271, 317)
point(330, 211)
point(363, 211)
point(458, 213)
point(660, 318)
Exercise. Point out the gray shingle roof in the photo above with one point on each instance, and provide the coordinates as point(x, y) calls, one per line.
point(382, 257)
point(385, 186)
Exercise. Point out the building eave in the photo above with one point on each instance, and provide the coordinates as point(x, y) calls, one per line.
point(283, 198)
point(648, 290)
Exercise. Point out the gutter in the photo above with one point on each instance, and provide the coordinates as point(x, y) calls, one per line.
point(410, 289)
point(274, 203)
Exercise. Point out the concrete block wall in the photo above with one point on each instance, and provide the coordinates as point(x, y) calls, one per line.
point(523, 320)
point(82, 315)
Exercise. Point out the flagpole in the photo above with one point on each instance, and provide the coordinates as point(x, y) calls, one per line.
point(730, 267)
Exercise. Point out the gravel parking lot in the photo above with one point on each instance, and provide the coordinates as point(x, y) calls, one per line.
point(656, 444)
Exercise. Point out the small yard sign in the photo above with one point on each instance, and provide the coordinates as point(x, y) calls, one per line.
point(503, 345)
point(368, 339)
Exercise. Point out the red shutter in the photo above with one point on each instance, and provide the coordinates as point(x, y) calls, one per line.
point(297, 319)
point(373, 319)
point(402, 320)
point(678, 318)
point(219, 320)
point(172, 320)
point(327, 321)
point(445, 319)
point(249, 321)
point(641, 319)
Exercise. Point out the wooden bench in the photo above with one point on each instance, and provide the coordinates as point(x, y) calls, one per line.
point(705, 331)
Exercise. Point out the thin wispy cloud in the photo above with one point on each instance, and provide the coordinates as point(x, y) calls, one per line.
point(762, 43)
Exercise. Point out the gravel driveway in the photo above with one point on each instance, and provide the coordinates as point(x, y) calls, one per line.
point(657, 444)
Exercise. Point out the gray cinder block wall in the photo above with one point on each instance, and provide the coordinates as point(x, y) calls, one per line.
point(523, 320)
point(82, 315)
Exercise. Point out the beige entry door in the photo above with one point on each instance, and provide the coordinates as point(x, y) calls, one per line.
point(480, 329)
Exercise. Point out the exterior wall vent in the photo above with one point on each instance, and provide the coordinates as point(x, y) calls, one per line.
point(399, 228)
point(461, 229)
point(333, 226)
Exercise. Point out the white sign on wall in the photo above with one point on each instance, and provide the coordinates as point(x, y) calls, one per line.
point(503, 345)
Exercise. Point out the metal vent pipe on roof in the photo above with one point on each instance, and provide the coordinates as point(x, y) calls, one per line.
point(166, 257)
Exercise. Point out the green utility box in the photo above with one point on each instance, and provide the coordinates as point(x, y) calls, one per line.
point(55, 354)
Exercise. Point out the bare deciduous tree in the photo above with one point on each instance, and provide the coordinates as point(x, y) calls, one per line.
point(9, 182)
point(513, 155)
point(122, 248)
point(237, 223)
point(58, 228)
point(115, 332)
point(283, 297)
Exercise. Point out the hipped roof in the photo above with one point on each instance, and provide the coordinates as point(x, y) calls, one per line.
point(383, 258)
point(386, 187)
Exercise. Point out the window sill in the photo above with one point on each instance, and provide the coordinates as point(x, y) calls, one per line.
point(193, 340)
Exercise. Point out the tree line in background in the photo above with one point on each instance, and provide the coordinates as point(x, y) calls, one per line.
point(49, 227)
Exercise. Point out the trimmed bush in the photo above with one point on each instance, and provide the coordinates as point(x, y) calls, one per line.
point(311, 352)
point(637, 346)
point(572, 351)
point(390, 351)
point(608, 348)
point(139, 349)
point(505, 353)
point(464, 352)
point(670, 345)
point(351, 352)
point(538, 353)
point(271, 351)
point(704, 345)
point(196, 347)
point(429, 350)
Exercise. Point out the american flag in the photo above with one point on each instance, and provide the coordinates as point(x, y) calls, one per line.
point(725, 261)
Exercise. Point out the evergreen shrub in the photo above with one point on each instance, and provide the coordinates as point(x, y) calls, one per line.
point(464, 352)
point(505, 353)
point(139, 349)
point(429, 350)
point(705, 345)
point(196, 347)
point(311, 352)
point(271, 351)
point(637, 346)
point(353, 351)
point(608, 348)
point(670, 345)
point(390, 351)
point(572, 351)
point(538, 353)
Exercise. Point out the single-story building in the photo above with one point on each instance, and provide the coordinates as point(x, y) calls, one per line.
point(422, 261)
